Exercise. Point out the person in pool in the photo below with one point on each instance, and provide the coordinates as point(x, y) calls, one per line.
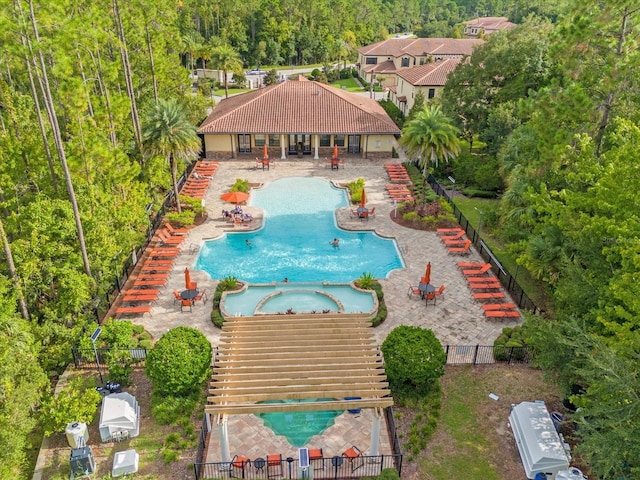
point(248, 242)
point(335, 242)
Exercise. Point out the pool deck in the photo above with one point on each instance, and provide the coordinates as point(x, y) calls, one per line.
point(457, 319)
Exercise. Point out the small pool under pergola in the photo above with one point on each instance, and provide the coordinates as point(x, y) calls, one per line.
point(290, 357)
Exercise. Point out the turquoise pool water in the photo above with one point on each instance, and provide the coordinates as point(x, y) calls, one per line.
point(299, 427)
point(300, 297)
point(295, 240)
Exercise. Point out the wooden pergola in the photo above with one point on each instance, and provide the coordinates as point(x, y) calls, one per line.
point(331, 362)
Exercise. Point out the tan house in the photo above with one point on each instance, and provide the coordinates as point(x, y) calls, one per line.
point(479, 27)
point(388, 58)
point(296, 119)
point(428, 79)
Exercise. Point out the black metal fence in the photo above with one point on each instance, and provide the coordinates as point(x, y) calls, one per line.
point(87, 359)
point(393, 435)
point(485, 355)
point(330, 468)
point(507, 280)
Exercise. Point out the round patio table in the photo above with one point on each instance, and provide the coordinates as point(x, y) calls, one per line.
point(189, 294)
point(426, 288)
point(259, 463)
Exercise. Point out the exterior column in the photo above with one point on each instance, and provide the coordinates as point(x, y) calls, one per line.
point(317, 144)
point(233, 146)
point(224, 439)
point(283, 150)
point(374, 449)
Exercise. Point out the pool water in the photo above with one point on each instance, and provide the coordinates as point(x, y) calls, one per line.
point(294, 242)
point(300, 297)
point(299, 427)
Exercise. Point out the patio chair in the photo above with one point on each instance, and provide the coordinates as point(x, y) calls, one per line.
point(274, 465)
point(440, 291)
point(316, 458)
point(201, 296)
point(176, 297)
point(186, 304)
point(239, 462)
point(430, 296)
point(352, 454)
point(372, 212)
point(414, 291)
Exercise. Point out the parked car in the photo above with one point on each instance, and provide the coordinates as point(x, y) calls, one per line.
point(256, 72)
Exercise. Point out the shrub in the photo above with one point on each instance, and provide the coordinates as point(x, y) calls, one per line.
point(183, 219)
point(179, 362)
point(172, 410)
point(411, 217)
point(76, 402)
point(509, 345)
point(414, 358)
point(389, 474)
point(241, 185)
point(366, 281)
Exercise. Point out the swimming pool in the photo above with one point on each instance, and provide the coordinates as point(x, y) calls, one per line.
point(299, 427)
point(300, 297)
point(294, 242)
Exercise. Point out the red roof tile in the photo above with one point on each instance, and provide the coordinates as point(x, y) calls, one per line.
point(418, 47)
point(430, 74)
point(299, 107)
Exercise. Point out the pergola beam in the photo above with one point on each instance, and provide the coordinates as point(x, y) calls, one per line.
point(298, 407)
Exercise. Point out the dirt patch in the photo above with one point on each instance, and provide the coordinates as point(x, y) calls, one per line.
point(148, 445)
point(513, 384)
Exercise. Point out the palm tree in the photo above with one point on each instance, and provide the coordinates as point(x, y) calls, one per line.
point(431, 137)
point(226, 59)
point(168, 133)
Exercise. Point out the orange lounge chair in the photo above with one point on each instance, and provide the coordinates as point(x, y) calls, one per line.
point(136, 310)
point(153, 262)
point(461, 250)
point(502, 314)
point(141, 291)
point(169, 240)
point(176, 231)
point(454, 242)
point(498, 306)
point(156, 268)
point(153, 276)
point(491, 279)
point(485, 286)
point(478, 271)
point(149, 283)
point(139, 298)
point(448, 231)
point(488, 295)
point(470, 264)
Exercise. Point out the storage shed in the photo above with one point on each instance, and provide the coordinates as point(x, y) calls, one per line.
point(119, 417)
point(540, 446)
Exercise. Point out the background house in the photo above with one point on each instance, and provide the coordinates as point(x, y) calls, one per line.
point(428, 78)
point(389, 57)
point(296, 119)
point(479, 27)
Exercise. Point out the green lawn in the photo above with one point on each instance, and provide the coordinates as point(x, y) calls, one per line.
point(349, 83)
point(232, 91)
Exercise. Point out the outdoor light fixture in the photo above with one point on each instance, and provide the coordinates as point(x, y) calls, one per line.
point(94, 336)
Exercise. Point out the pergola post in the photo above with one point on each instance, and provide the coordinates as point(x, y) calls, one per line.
point(223, 434)
point(283, 155)
point(375, 433)
point(317, 144)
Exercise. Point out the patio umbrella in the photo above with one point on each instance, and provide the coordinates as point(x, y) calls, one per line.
point(187, 278)
point(363, 199)
point(335, 151)
point(427, 274)
point(265, 154)
point(234, 197)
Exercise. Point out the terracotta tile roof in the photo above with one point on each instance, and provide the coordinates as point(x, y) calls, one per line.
point(299, 107)
point(417, 47)
point(430, 74)
point(490, 24)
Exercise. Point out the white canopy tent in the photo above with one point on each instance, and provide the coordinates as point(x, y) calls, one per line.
point(540, 446)
point(119, 417)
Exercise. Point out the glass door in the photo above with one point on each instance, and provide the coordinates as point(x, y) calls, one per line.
point(354, 144)
point(244, 143)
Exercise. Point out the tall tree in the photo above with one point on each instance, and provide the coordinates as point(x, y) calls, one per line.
point(168, 133)
point(430, 137)
point(226, 59)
